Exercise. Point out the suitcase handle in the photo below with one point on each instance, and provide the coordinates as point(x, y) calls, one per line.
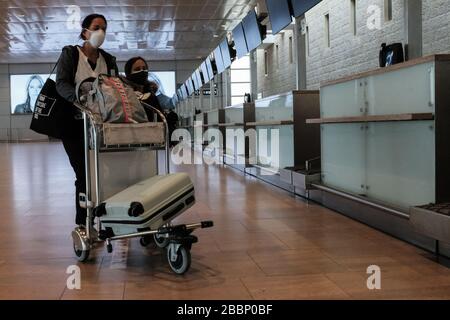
point(207, 224)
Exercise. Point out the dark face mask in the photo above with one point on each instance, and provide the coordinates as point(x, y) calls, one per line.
point(140, 77)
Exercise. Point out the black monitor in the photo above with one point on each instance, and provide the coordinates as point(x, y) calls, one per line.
point(204, 68)
point(240, 44)
point(184, 91)
point(196, 82)
point(219, 60)
point(210, 68)
point(199, 77)
point(252, 31)
point(299, 7)
point(226, 57)
point(279, 14)
point(189, 86)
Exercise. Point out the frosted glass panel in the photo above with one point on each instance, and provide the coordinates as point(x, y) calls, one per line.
point(234, 114)
point(213, 117)
point(277, 108)
point(401, 162)
point(235, 141)
point(284, 147)
point(406, 90)
point(343, 157)
point(343, 99)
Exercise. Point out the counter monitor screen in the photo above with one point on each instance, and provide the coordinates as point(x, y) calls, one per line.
point(219, 60)
point(279, 14)
point(252, 30)
point(190, 86)
point(195, 80)
point(204, 68)
point(210, 68)
point(199, 77)
point(302, 6)
point(182, 96)
point(184, 91)
point(226, 57)
point(240, 44)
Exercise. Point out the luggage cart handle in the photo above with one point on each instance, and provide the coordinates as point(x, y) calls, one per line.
point(167, 137)
point(87, 112)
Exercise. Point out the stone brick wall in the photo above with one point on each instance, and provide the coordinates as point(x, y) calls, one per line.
point(281, 72)
point(436, 26)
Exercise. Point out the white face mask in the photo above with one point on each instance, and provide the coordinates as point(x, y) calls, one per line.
point(97, 38)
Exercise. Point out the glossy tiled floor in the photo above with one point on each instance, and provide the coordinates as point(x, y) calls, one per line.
point(265, 244)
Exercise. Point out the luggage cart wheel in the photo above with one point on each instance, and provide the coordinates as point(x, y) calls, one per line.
point(82, 255)
point(179, 258)
point(161, 241)
point(145, 241)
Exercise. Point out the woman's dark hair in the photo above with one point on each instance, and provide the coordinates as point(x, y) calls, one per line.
point(129, 64)
point(87, 23)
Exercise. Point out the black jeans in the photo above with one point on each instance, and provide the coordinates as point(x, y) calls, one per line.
point(74, 147)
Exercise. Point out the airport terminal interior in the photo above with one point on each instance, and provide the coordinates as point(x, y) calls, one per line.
point(273, 150)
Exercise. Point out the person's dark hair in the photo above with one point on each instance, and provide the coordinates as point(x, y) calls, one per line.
point(88, 21)
point(129, 65)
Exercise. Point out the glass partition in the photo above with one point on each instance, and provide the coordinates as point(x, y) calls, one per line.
point(275, 108)
point(392, 161)
point(400, 162)
point(275, 146)
point(234, 114)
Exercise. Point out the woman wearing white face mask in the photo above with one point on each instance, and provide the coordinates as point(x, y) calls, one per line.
point(76, 64)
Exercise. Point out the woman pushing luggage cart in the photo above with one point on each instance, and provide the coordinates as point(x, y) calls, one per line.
point(147, 208)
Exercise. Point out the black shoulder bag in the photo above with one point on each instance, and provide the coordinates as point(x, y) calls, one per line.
point(52, 114)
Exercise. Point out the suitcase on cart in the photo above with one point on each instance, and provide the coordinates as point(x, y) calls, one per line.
point(147, 205)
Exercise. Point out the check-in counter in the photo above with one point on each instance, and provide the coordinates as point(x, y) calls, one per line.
point(213, 137)
point(198, 130)
point(385, 138)
point(233, 129)
point(285, 144)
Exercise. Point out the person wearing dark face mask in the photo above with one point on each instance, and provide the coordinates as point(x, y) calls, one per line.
point(136, 72)
point(76, 64)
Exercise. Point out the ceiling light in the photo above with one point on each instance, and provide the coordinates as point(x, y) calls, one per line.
point(216, 36)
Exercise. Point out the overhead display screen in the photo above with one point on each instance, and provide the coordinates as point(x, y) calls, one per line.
point(240, 44)
point(210, 68)
point(196, 82)
point(205, 74)
point(279, 14)
point(302, 6)
point(199, 77)
point(184, 91)
point(225, 49)
point(252, 31)
point(190, 86)
point(219, 60)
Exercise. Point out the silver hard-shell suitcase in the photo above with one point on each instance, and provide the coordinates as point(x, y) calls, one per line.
point(148, 205)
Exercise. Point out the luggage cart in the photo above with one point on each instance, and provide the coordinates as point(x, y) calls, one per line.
point(106, 137)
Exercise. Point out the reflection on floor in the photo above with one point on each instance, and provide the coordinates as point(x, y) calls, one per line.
point(265, 244)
